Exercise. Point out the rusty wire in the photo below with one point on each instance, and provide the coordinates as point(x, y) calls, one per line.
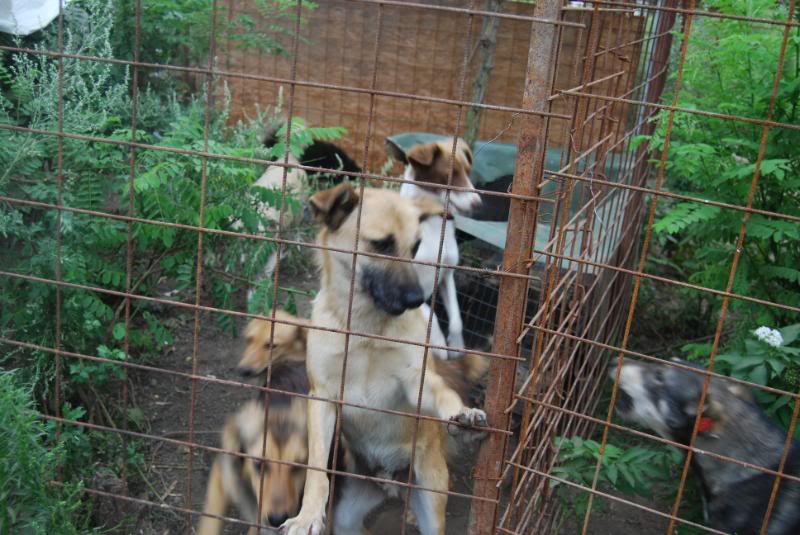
point(580, 313)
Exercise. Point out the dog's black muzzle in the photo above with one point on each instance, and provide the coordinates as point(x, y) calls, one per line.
point(276, 520)
point(247, 373)
point(392, 293)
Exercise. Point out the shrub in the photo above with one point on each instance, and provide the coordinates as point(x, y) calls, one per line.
point(266, 26)
point(634, 470)
point(769, 357)
point(28, 463)
point(96, 176)
point(715, 159)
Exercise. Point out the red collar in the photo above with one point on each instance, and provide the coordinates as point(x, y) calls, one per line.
point(705, 424)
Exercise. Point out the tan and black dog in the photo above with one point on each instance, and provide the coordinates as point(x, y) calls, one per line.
point(380, 374)
point(236, 480)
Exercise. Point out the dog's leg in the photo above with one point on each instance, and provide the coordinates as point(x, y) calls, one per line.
point(437, 336)
point(430, 471)
point(216, 502)
point(321, 424)
point(455, 328)
point(356, 500)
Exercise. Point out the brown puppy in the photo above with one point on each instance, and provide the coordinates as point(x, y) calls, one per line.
point(386, 375)
point(238, 481)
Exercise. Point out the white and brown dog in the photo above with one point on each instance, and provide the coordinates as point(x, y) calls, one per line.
point(428, 167)
point(380, 374)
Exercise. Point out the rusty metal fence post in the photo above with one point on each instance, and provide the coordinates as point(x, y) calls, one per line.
point(519, 244)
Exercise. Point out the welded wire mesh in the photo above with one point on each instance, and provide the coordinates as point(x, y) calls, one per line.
point(549, 309)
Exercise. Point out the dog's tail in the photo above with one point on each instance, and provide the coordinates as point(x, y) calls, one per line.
point(473, 366)
point(463, 373)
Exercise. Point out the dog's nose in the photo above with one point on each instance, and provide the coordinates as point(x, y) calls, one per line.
point(246, 372)
point(413, 297)
point(277, 519)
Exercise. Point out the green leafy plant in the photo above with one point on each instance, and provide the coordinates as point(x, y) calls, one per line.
point(89, 175)
point(28, 464)
point(633, 470)
point(715, 159)
point(769, 357)
point(98, 373)
point(176, 32)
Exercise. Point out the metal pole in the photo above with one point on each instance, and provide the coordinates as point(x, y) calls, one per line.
point(513, 290)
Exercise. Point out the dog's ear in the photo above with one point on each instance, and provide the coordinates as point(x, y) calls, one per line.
point(741, 392)
point(423, 155)
point(465, 150)
point(332, 206)
point(429, 207)
point(232, 437)
point(713, 408)
point(395, 152)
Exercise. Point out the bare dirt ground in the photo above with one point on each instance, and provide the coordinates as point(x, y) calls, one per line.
point(166, 401)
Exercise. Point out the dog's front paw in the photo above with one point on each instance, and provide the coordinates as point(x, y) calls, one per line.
point(471, 418)
point(304, 524)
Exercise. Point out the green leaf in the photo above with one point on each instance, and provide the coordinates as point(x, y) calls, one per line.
point(119, 331)
point(612, 473)
point(627, 475)
point(759, 375)
point(747, 362)
point(685, 215)
point(790, 333)
point(781, 272)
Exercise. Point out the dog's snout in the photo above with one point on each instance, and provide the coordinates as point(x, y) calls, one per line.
point(413, 296)
point(246, 372)
point(393, 291)
point(277, 519)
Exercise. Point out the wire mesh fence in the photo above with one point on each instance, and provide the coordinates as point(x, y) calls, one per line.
point(549, 290)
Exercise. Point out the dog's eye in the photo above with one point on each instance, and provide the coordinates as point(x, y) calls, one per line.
point(259, 464)
point(384, 246)
point(267, 345)
point(296, 470)
point(415, 248)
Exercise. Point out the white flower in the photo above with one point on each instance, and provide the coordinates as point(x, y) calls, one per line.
point(769, 336)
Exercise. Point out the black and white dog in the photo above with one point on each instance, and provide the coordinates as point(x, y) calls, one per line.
point(665, 399)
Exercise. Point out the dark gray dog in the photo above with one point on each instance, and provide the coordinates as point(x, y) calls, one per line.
point(665, 399)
